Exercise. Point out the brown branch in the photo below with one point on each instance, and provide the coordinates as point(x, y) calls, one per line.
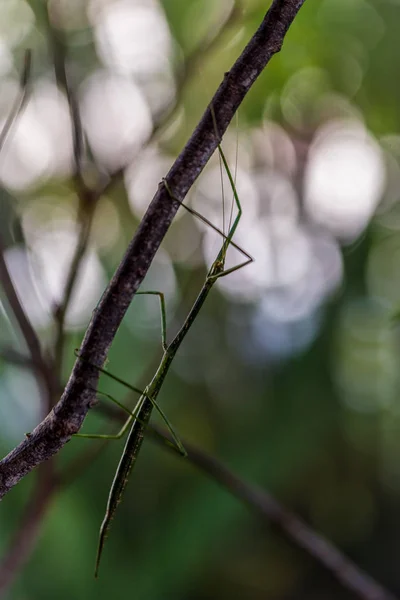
point(84, 222)
point(21, 317)
point(13, 357)
point(67, 416)
point(295, 529)
point(59, 52)
point(21, 100)
point(41, 368)
point(87, 197)
point(286, 522)
point(25, 326)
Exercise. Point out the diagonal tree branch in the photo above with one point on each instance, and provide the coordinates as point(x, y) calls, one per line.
point(28, 332)
point(87, 197)
point(67, 416)
point(297, 531)
point(269, 508)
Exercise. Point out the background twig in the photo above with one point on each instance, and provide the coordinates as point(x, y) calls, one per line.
point(87, 198)
point(21, 100)
point(294, 528)
point(42, 369)
point(286, 522)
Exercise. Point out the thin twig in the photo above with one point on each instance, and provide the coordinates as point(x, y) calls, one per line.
point(295, 529)
point(59, 52)
point(24, 323)
point(27, 330)
point(85, 195)
point(67, 416)
point(21, 100)
point(25, 326)
point(29, 334)
point(84, 221)
point(13, 357)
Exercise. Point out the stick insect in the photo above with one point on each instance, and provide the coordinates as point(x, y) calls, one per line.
point(139, 417)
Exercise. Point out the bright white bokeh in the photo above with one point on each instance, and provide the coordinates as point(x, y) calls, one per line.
point(143, 177)
point(344, 178)
point(214, 199)
point(116, 118)
point(50, 258)
point(39, 276)
point(248, 283)
point(131, 37)
point(278, 200)
point(32, 151)
point(275, 148)
point(323, 271)
point(6, 58)
point(20, 403)
point(281, 260)
point(297, 266)
point(27, 154)
point(26, 287)
point(53, 113)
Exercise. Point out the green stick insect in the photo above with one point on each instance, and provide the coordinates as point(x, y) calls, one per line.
point(139, 417)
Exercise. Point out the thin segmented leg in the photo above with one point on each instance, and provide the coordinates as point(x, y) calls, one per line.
point(133, 414)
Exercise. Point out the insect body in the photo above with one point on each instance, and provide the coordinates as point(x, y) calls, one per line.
point(140, 416)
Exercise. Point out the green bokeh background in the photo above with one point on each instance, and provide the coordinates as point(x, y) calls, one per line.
point(286, 425)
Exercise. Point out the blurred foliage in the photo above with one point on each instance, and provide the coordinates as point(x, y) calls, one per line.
point(304, 406)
